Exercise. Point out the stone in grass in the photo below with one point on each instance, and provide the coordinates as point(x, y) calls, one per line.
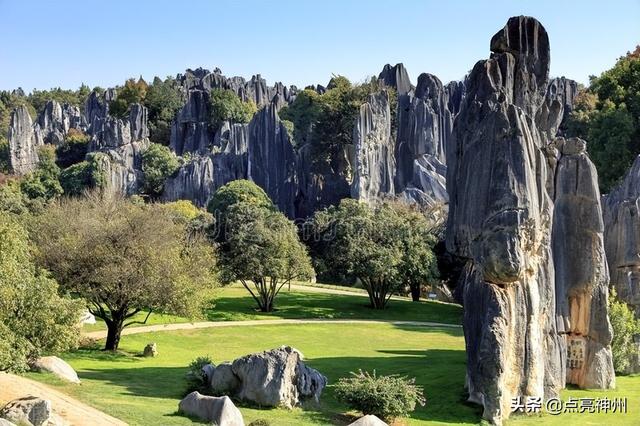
point(219, 410)
point(368, 420)
point(150, 351)
point(29, 410)
point(57, 366)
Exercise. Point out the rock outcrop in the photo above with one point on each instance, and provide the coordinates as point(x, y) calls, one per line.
point(275, 378)
point(374, 162)
point(622, 237)
point(216, 410)
point(23, 142)
point(559, 101)
point(529, 327)
point(56, 120)
point(581, 273)
point(397, 77)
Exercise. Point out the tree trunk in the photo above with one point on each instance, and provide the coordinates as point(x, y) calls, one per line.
point(415, 292)
point(114, 330)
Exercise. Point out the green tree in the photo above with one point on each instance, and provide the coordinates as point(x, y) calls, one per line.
point(164, 99)
point(625, 328)
point(43, 183)
point(84, 175)
point(124, 258)
point(34, 319)
point(158, 163)
point(263, 252)
point(73, 150)
point(225, 105)
point(131, 93)
point(607, 115)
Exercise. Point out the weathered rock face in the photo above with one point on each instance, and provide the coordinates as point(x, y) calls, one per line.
point(374, 163)
point(529, 327)
point(622, 237)
point(275, 378)
point(29, 410)
point(581, 273)
point(217, 410)
point(23, 142)
point(368, 420)
point(500, 221)
point(397, 77)
point(120, 141)
point(428, 185)
point(190, 131)
point(56, 120)
point(558, 104)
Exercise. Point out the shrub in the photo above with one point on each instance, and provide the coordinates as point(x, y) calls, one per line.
point(158, 163)
point(225, 105)
point(387, 397)
point(73, 150)
point(260, 422)
point(196, 379)
point(625, 326)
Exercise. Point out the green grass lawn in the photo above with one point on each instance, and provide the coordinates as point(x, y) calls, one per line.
point(234, 303)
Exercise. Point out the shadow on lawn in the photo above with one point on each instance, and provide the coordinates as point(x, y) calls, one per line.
point(440, 372)
point(333, 306)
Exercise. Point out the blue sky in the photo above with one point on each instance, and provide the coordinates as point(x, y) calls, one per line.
point(64, 43)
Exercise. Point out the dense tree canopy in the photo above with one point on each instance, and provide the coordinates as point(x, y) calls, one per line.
point(34, 319)
point(225, 105)
point(607, 115)
point(124, 258)
point(164, 98)
point(158, 163)
point(386, 247)
point(43, 182)
point(132, 92)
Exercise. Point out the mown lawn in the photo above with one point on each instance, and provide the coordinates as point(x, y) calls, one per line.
point(234, 303)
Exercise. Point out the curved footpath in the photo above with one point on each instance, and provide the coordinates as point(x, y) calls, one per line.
point(101, 334)
point(72, 411)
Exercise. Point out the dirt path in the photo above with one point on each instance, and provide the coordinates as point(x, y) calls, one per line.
point(72, 411)
point(100, 334)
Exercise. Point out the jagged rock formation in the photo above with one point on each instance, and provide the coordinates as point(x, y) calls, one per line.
point(190, 131)
point(23, 142)
point(56, 120)
point(397, 77)
point(374, 163)
point(500, 217)
point(622, 237)
point(581, 273)
point(120, 141)
point(256, 89)
point(558, 104)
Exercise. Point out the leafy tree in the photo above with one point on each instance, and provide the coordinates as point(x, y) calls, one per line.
point(43, 183)
point(123, 258)
point(225, 105)
point(4, 155)
point(625, 328)
point(158, 163)
point(73, 150)
point(34, 319)
point(262, 250)
point(374, 245)
point(132, 92)
point(164, 99)
point(12, 200)
point(607, 115)
point(84, 175)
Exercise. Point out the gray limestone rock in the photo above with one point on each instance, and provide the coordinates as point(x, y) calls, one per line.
point(374, 163)
point(222, 380)
point(581, 273)
point(30, 410)
point(218, 410)
point(368, 420)
point(56, 120)
point(397, 77)
point(57, 366)
point(277, 378)
point(23, 142)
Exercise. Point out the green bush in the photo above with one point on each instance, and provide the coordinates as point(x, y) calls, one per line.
point(260, 422)
point(196, 379)
point(387, 397)
point(225, 105)
point(625, 326)
point(73, 150)
point(43, 182)
point(158, 163)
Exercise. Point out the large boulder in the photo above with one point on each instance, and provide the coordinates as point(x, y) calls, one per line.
point(28, 411)
point(219, 410)
point(275, 378)
point(368, 420)
point(57, 366)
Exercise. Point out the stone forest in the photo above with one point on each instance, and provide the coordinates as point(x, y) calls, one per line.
point(206, 248)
